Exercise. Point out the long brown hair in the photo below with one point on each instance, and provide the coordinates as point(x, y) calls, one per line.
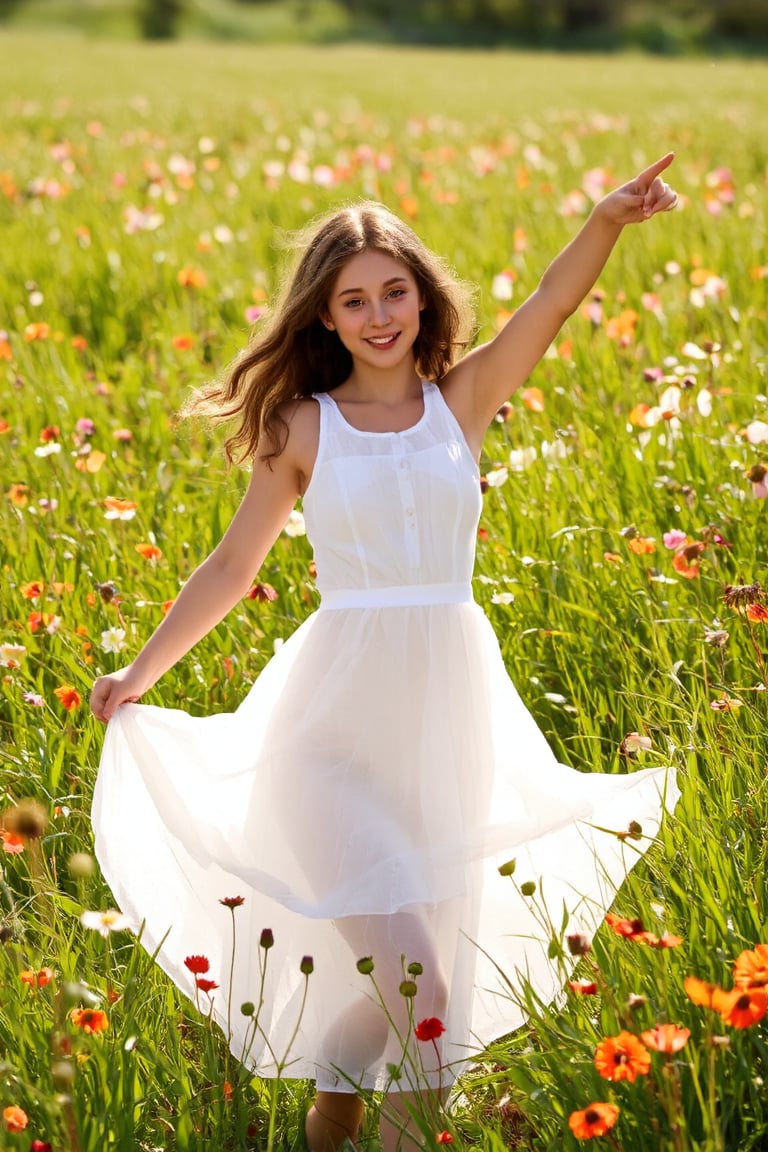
point(294, 354)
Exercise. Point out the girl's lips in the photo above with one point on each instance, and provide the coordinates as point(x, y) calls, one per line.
point(382, 341)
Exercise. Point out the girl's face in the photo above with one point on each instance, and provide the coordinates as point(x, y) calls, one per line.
point(374, 307)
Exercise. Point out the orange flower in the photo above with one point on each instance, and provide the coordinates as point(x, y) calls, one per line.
point(68, 697)
point(533, 398)
point(757, 613)
point(38, 331)
point(583, 987)
point(666, 1038)
point(117, 509)
point(90, 1020)
point(50, 434)
point(15, 1119)
point(79, 343)
point(13, 843)
point(699, 991)
point(18, 494)
point(183, 341)
point(148, 551)
point(6, 352)
point(642, 546)
point(594, 1120)
point(751, 968)
point(36, 979)
point(629, 928)
point(33, 590)
point(192, 278)
point(741, 1007)
point(684, 567)
point(92, 462)
point(622, 1057)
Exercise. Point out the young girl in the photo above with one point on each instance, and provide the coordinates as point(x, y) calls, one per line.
point(382, 767)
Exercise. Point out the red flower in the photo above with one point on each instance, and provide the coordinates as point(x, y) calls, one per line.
point(429, 1029)
point(68, 697)
point(89, 1019)
point(443, 1138)
point(741, 1007)
point(40, 1146)
point(583, 987)
point(198, 965)
point(205, 985)
point(232, 901)
point(622, 1057)
point(595, 1120)
point(15, 1119)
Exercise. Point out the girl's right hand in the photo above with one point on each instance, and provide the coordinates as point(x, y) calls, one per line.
point(109, 692)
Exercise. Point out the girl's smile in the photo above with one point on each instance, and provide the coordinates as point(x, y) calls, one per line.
point(375, 306)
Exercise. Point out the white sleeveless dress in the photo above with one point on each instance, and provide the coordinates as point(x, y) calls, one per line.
point(365, 792)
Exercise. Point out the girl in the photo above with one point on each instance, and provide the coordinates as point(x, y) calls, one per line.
point(363, 796)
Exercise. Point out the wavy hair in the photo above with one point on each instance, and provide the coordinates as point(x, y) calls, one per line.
point(294, 354)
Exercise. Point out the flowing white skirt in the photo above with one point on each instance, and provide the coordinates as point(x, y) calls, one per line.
point(360, 800)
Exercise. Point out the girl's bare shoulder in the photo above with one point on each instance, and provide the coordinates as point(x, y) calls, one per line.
point(302, 421)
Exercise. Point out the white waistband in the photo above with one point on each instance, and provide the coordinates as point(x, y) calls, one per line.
point(398, 596)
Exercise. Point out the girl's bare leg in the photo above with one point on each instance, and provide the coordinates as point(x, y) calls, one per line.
point(333, 1118)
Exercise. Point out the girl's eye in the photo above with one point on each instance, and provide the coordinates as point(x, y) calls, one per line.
point(351, 303)
point(397, 292)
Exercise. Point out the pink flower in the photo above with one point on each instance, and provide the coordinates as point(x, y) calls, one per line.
point(674, 538)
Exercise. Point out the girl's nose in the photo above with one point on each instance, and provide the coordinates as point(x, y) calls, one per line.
point(379, 312)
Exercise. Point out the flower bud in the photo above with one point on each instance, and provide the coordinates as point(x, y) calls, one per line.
point(365, 965)
point(267, 939)
point(508, 868)
point(307, 965)
point(408, 988)
point(578, 944)
point(414, 968)
point(248, 1008)
point(528, 888)
point(80, 865)
point(28, 818)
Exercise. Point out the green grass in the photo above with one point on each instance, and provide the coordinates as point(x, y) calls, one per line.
point(476, 145)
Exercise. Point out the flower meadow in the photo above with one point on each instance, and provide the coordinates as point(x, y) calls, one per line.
point(145, 194)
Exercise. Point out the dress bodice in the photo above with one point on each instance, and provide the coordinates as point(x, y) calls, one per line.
point(389, 509)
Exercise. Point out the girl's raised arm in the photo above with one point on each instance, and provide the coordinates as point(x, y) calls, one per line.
point(478, 386)
point(214, 587)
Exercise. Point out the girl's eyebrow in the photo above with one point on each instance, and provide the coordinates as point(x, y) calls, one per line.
point(387, 284)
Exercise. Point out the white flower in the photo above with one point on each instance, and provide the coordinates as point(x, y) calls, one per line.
point(11, 655)
point(757, 432)
point(295, 525)
point(502, 598)
point(704, 402)
point(521, 458)
point(496, 477)
point(113, 640)
point(501, 286)
point(105, 922)
point(50, 449)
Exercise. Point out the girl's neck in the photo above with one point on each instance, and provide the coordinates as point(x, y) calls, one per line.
point(387, 387)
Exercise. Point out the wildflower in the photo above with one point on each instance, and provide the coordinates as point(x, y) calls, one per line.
point(740, 596)
point(429, 1029)
point(68, 697)
point(113, 640)
point(183, 342)
point(232, 901)
point(192, 278)
point(741, 1007)
point(13, 844)
point(751, 968)
point(443, 1138)
point(631, 929)
point(307, 966)
point(583, 987)
point(264, 593)
point(699, 991)
point(197, 965)
point(594, 1120)
point(204, 985)
point(36, 979)
point(267, 939)
point(38, 331)
point(295, 526)
point(15, 1119)
point(633, 743)
point(757, 613)
point(666, 1038)
point(90, 1020)
point(105, 922)
point(149, 551)
point(622, 1057)
point(533, 398)
point(642, 546)
point(32, 591)
point(117, 509)
point(28, 818)
point(756, 476)
point(11, 655)
point(39, 1146)
point(18, 494)
point(718, 638)
point(725, 703)
point(578, 944)
point(33, 698)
